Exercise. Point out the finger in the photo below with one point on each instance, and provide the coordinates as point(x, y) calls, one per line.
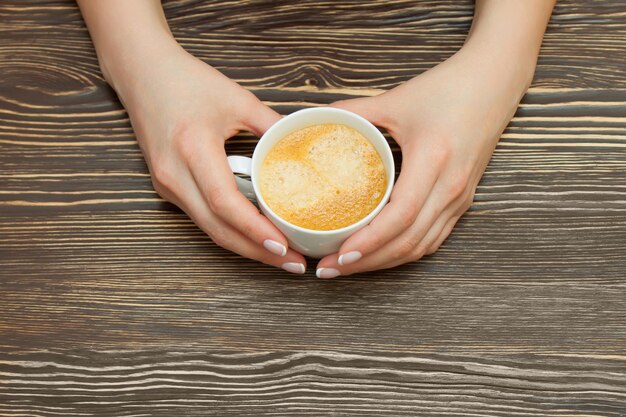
point(408, 245)
point(332, 270)
point(192, 202)
point(418, 240)
point(389, 265)
point(402, 249)
point(414, 185)
point(443, 235)
point(259, 117)
point(216, 182)
point(371, 108)
point(436, 238)
point(234, 241)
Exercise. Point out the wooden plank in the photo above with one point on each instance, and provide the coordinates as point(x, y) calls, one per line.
point(113, 303)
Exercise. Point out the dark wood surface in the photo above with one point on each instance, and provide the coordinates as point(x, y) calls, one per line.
point(113, 303)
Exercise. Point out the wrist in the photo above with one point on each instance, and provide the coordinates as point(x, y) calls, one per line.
point(128, 35)
point(121, 60)
point(507, 34)
point(514, 66)
point(123, 65)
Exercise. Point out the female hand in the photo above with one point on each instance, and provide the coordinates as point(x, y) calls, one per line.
point(447, 122)
point(182, 110)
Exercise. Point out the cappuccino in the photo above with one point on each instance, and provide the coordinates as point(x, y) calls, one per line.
point(323, 177)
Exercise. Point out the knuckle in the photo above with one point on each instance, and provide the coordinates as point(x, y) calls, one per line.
point(419, 252)
point(469, 200)
point(217, 199)
point(431, 250)
point(162, 192)
point(375, 241)
point(247, 226)
point(406, 247)
point(408, 213)
point(466, 206)
point(250, 101)
point(247, 103)
point(162, 176)
point(458, 186)
point(219, 237)
point(184, 141)
point(440, 153)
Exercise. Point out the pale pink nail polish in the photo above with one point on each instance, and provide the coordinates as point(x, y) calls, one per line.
point(350, 257)
point(275, 247)
point(327, 273)
point(294, 267)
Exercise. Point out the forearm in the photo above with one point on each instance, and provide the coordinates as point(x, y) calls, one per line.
point(509, 33)
point(128, 35)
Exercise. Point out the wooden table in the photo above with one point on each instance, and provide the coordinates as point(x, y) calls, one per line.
point(113, 303)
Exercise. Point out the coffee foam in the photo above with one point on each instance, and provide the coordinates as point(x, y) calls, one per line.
point(323, 177)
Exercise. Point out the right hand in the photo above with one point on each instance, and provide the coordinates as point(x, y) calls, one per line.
point(182, 111)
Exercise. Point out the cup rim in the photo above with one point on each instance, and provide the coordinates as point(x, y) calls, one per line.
point(364, 220)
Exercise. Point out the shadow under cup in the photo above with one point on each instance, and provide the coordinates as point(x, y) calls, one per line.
point(313, 243)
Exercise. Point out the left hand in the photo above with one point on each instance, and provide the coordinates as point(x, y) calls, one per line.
point(447, 122)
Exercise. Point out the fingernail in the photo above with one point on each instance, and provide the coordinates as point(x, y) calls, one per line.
point(350, 257)
point(327, 273)
point(293, 267)
point(275, 247)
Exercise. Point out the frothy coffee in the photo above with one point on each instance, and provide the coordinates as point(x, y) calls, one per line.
point(323, 177)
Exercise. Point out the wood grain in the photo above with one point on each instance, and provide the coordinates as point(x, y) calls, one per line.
point(113, 303)
point(309, 383)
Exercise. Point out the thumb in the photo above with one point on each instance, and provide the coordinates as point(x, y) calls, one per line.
point(371, 108)
point(260, 117)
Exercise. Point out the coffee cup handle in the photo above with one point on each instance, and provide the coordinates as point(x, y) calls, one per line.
point(242, 165)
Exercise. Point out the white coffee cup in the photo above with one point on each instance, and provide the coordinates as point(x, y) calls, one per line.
point(313, 243)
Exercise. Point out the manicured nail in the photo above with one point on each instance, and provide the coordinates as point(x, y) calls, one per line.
point(275, 247)
point(294, 267)
point(350, 257)
point(327, 273)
